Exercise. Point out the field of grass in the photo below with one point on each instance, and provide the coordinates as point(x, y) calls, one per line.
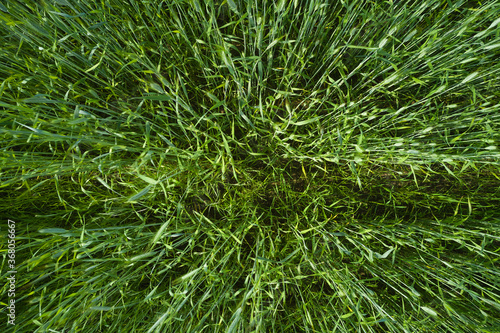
point(251, 166)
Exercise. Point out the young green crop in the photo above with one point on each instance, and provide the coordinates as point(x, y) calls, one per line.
point(252, 166)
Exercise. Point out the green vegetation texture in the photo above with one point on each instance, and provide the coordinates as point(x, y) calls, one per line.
point(251, 166)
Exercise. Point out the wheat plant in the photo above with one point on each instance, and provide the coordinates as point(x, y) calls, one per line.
point(251, 166)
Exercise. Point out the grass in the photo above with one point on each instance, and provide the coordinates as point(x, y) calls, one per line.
point(260, 166)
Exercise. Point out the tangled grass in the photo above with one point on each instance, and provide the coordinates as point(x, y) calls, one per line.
point(252, 166)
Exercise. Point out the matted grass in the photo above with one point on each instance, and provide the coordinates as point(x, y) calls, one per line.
point(258, 166)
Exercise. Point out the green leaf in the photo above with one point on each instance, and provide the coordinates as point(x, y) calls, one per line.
point(470, 77)
point(305, 122)
point(273, 43)
point(190, 274)
point(385, 255)
point(147, 179)
point(347, 315)
point(39, 99)
point(232, 6)
point(68, 16)
point(93, 67)
point(53, 231)
point(235, 319)
point(491, 47)
point(101, 308)
point(140, 194)
point(157, 87)
point(156, 97)
point(429, 311)
point(142, 256)
point(361, 47)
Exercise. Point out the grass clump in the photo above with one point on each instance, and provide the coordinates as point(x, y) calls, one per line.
point(258, 166)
